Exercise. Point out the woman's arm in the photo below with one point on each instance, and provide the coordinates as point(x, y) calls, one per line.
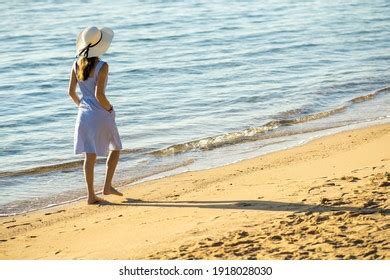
point(72, 88)
point(100, 87)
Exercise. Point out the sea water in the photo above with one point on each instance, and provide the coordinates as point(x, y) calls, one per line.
point(195, 84)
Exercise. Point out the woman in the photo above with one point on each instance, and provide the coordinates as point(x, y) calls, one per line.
point(96, 133)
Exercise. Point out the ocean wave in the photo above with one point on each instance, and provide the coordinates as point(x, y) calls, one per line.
point(258, 133)
point(39, 203)
point(209, 143)
point(42, 169)
point(69, 165)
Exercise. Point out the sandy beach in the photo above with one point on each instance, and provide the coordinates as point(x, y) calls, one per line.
point(328, 199)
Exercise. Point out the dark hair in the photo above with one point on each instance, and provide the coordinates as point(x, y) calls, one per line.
point(85, 66)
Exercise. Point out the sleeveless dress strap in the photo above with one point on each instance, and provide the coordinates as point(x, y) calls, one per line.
point(97, 69)
point(75, 67)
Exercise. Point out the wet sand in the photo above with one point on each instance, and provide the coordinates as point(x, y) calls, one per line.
point(328, 199)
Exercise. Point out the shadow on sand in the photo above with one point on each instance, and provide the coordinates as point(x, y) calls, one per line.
point(262, 205)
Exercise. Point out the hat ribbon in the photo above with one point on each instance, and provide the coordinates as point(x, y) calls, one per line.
point(85, 50)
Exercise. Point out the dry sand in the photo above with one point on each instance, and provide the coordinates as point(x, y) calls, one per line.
point(328, 199)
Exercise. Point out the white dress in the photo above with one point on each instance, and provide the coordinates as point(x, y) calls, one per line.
point(95, 129)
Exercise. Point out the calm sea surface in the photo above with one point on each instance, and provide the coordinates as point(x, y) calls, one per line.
point(195, 84)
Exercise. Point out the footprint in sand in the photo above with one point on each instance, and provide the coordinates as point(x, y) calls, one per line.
point(242, 234)
point(325, 201)
point(370, 252)
point(343, 227)
point(275, 238)
point(330, 184)
point(172, 196)
point(371, 204)
point(321, 219)
point(379, 193)
point(25, 224)
point(385, 184)
point(339, 202)
point(7, 222)
point(314, 190)
point(357, 242)
point(51, 213)
point(217, 244)
point(350, 178)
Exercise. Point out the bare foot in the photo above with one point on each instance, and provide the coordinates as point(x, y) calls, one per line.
point(111, 190)
point(95, 199)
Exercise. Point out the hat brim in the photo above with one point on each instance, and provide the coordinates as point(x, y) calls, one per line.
point(101, 47)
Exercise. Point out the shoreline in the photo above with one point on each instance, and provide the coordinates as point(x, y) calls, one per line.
point(126, 183)
point(253, 209)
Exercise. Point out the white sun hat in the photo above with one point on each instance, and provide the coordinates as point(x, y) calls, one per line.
point(93, 42)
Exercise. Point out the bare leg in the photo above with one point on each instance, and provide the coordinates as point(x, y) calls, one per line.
point(112, 161)
point(89, 165)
